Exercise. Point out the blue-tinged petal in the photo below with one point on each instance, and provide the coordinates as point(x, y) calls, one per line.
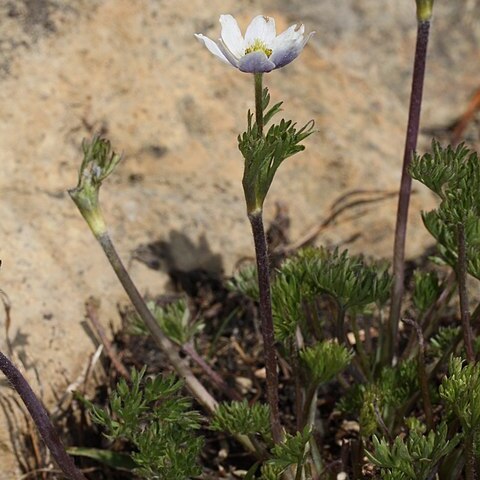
point(260, 28)
point(288, 46)
point(212, 46)
point(232, 36)
point(291, 34)
point(256, 62)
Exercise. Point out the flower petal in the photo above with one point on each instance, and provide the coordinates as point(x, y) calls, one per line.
point(232, 36)
point(232, 59)
point(256, 62)
point(212, 46)
point(288, 45)
point(261, 28)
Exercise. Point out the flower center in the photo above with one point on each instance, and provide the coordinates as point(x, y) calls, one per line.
point(258, 46)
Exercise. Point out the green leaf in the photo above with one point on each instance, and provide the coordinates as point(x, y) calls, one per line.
point(454, 175)
point(118, 460)
point(245, 282)
point(414, 457)
point(461, 392)
point(174, 319)
point(291, 451)
point(349, 280)
point(325, 360)
point(241, 418)
point(150, 414)
point(263, 154)
point(427, 289)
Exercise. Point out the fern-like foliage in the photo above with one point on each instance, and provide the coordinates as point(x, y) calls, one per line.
point(397, 384)
point(263, 154)
point(413, 458)
point(245, 282)
point(444, 168)
point(348, 280)
point(393, 388)
point(291, 451)
point(461, 392)
point(427, 289)
point(446, 234)
point(443, 340)
point(287, 298)
point(242, 418)
point(325, 360)
point(174, 319)
point(151, 414)
point(271, 472)
point(454, 175)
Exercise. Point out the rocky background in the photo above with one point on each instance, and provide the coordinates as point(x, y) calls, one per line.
point(133, 71)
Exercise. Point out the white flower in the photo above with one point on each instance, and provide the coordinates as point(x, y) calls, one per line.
point(261, 50)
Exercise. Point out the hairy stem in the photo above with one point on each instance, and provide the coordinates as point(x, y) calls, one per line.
point(41, 419)
point(263, 270)
point(462, 291)
point(470, 473)
point(258, 79)
point(405, 187)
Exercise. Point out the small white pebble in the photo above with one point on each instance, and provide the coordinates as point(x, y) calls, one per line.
point(240, 473)
point(244, 383)
point(342, 476)
point(222, 453)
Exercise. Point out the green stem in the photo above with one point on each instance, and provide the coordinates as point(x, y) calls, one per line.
point(316, 457)
point(298, 475)
point(462, 291)
point(266, 316)
point(258, 79)
point(405, 189)
point(309, 407)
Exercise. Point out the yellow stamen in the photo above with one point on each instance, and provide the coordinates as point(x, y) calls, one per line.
point(258, 46)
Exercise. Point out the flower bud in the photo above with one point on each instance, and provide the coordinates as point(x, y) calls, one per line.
point(424, 10)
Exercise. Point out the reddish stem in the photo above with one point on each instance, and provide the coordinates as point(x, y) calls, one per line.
point(263, 270)
point(41, 419)
point(406, 185)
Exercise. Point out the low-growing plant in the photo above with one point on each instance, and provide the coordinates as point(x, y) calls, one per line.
point(333, 322)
